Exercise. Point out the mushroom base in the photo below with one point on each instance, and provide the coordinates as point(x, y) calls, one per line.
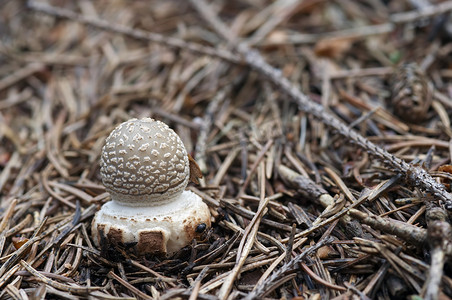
point(158, 229)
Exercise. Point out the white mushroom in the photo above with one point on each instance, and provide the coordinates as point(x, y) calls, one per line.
point(145, 168)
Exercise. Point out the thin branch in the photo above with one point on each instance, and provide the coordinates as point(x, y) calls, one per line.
point(407, 232)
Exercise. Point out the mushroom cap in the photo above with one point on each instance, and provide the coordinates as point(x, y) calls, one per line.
point(157, 229)
point(144, 162)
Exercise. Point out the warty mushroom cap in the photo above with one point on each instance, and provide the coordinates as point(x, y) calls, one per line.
point(144, 161)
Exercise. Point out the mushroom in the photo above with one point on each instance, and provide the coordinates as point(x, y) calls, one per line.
point(145, 168)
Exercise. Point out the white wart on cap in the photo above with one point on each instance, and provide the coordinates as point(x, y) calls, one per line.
point(144, 161)
point(145, 168)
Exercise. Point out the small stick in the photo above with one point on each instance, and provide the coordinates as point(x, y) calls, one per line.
point(18, 254)
point(439, 233)
point(289, 247)
point(227, 162)
point(21, 225)
point(407, 232)
point(308, 188)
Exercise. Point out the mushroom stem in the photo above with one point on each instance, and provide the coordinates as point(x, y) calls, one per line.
point(154, 229)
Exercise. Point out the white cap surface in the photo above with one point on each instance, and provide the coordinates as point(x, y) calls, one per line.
point(144, 162)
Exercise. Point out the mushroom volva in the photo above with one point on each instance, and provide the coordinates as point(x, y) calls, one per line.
point(145, 167)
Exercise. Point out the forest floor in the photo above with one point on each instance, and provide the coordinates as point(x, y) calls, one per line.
point(322, 129)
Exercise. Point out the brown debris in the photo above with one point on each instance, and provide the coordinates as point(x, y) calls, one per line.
point(327, 170)
point(411, 93)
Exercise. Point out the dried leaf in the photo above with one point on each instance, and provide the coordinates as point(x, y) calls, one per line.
point(332, 48)
point(195, 171)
